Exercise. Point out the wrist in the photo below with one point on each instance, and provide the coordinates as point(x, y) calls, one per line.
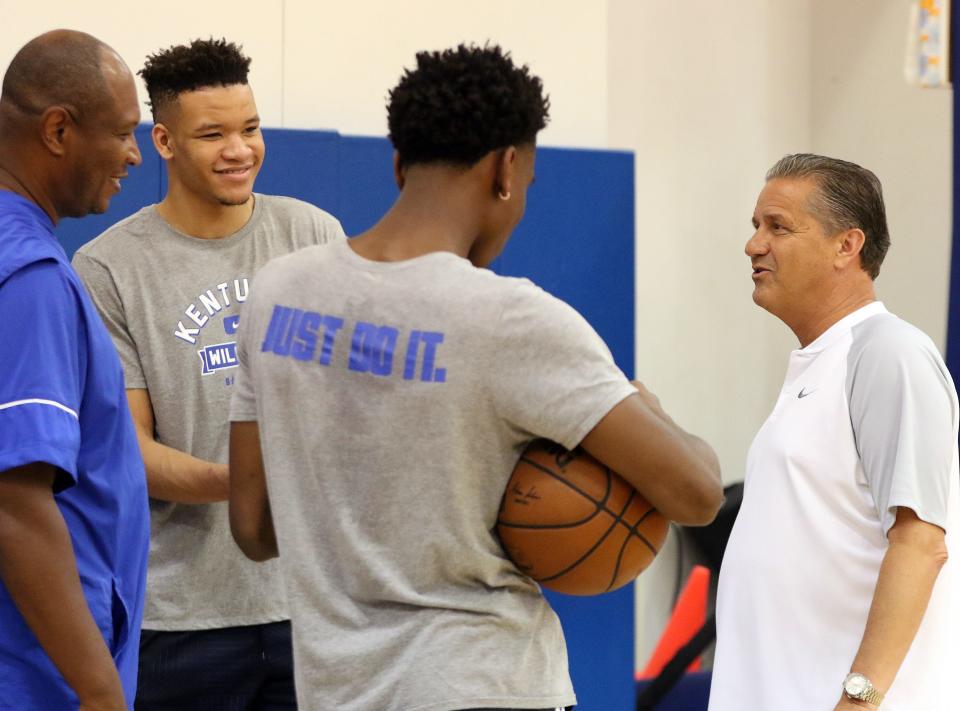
point(860, 691)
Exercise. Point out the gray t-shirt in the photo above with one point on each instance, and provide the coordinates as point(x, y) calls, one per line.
point(171, 304)
point(393, 400)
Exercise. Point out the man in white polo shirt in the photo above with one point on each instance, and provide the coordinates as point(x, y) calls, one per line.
point(836, 591)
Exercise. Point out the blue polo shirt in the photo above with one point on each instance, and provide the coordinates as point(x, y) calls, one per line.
point(62, 401)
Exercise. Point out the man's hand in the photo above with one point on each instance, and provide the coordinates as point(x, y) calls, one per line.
point(173, 475)
point(39, 570)
point(113, 702)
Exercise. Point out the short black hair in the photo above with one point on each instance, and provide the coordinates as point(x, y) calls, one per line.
point(848, 196)
point(460, 104)
point(181, 68)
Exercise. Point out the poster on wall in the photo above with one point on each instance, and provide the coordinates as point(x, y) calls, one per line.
point(928, 44)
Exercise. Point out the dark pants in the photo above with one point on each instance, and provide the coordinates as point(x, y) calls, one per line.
point(230, 669)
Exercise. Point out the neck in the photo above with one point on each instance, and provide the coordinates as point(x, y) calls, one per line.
point(429, 216)
point(202, 217)
point(21, 183)
point(809, 329)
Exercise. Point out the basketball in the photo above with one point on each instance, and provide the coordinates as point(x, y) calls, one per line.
point(575, 526)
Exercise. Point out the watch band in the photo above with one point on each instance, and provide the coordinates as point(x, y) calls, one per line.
point(871, 696)
point(870, 693)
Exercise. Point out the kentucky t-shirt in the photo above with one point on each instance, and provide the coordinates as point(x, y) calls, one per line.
point(172, 304)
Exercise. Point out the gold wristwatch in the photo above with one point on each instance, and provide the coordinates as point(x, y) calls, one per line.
point(857, 686)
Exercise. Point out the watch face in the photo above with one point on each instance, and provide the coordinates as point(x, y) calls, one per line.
point(855, 684)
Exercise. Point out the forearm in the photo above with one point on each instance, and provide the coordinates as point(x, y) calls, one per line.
point(176, 476)
point(904, 585)
point(676, 472)
point(251, 522)
point(254, 535)
point(38, 568)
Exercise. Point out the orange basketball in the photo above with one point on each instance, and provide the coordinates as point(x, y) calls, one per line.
point(575, 526)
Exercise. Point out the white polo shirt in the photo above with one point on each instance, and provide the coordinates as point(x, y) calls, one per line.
point(866, 422)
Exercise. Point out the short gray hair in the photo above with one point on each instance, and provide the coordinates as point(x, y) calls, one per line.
point(847, 197)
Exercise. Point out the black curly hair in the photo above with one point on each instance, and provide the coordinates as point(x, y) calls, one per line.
point(175, 70)
point(460, 104)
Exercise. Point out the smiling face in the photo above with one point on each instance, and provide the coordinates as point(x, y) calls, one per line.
point(212, 142)
point(792, 256)
point(106, 146)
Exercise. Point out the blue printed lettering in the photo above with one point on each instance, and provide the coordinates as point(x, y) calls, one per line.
point(410, 362)
point(306, 342)
point(217, 357)
point(372, 348)
point(332, 326)
point(277, 329)
point(430, 341)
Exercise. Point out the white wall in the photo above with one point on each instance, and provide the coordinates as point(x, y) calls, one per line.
point(330, 65)
point(867, 113)
point(708, 100)
point(707, 94)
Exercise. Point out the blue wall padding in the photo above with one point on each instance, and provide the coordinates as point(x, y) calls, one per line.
point(691, 693)
point(953, 313)
point(368, 187)
point(301, 164)
point(576, 241)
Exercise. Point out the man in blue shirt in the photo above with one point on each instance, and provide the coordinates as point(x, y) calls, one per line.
point(74, 525)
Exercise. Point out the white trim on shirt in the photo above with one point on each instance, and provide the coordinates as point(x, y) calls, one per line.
point(38, 401)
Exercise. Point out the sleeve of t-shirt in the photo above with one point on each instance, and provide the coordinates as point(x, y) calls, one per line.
point(103, 291)
point(329, 229)
point(243, 401)
point(551, 375)
point(903, 412)
point(40, 388)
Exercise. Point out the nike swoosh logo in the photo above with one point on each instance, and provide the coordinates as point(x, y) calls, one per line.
point(804, 392)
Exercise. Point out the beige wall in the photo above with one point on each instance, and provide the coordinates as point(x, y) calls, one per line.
point(866, 112)
point(707, 94)
point(330, 65)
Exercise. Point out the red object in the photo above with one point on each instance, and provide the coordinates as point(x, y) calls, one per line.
point(688, 617)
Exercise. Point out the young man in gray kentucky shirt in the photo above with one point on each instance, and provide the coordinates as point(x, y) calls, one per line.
point(169, 282)
point(393, 384)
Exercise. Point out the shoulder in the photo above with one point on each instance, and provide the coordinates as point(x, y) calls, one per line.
point(289, 266)
point(120, 237)
point(23, 245)
point(890, 358)
point(293, 208)
point(44, 284)
point(887, 339)
point(523, 297)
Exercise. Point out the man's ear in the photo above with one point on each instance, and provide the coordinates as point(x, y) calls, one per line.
point(55, 124)
point(162, 140)
point(849, 246)
point(506, 166)
point(398, 170)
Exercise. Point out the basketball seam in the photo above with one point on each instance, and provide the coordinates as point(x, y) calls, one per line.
point(600, 506)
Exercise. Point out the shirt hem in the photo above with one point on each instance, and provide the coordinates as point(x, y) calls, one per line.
point(212, 624)
point(506, 702)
